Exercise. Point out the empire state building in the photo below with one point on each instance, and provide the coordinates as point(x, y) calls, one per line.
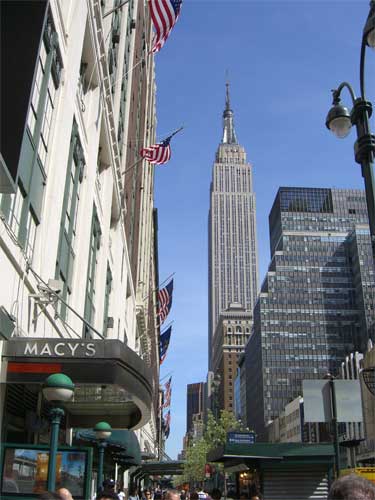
point(233, 267)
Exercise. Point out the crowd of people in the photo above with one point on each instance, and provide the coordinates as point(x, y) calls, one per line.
point(350, 487)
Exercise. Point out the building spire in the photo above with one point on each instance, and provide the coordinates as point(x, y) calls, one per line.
point(229, 134)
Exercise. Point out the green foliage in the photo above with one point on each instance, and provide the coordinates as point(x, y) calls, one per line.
point(216, 431)
point(215, 435)
point(195, 461)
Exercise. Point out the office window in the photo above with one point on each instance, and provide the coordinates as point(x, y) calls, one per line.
point(65, 253)
point(95, 238)
point(108, 288)
point(23, 210)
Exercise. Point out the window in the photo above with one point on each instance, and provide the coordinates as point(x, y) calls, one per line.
point(108, 288)
point(68, 224)
point(95, 238)
point(23, 210)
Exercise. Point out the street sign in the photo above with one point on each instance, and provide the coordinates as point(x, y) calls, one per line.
point(240, 437)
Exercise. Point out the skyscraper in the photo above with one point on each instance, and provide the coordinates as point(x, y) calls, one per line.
point(316, 303)
point(194, 403)
point(233, 269)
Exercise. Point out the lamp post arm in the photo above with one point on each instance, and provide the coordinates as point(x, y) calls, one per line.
point(336, 92)
point(362, 69)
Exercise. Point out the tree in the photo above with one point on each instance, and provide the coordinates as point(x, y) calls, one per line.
point(216, 430)
point(215, 435)
point(195, 461)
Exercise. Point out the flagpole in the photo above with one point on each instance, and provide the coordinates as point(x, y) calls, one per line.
point(132, 166)
point(167, 375)
point(166, 328)
point(116, 8)
point(162, 283)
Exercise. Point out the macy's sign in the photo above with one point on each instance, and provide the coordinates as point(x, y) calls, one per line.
point(60, 349)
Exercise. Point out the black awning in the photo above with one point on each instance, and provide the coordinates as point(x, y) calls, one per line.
point(112, 382)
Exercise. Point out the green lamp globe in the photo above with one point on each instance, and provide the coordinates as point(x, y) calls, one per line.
point(102, 430)
point(58, 387)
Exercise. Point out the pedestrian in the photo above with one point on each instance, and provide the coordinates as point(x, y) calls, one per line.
point(65, 494)
point(121, 494)
point(109, 484)
point(133, 493)
point(172, 495)
point(202, 495)
point(352, 487)
point(216, 494)
point(107, 495)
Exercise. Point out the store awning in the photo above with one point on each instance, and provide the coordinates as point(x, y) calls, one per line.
point(163, 468)
point(112, 383)
point(122, 444)
point(231, 454)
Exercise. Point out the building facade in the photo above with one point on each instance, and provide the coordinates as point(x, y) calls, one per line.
point(78, 239)
point(316, 303)
point(195, 403)
point(233, 268)
point(231, 336)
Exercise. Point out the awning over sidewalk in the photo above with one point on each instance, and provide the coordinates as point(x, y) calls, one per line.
point(122, 444)
point(112, 382)
point(231, 454)
point(163, 468)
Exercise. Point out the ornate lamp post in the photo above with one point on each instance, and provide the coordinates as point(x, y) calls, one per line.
point(340, 119)
point(58, 389)
point(102, 431)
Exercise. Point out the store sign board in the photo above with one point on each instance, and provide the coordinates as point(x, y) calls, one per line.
point(55, 348)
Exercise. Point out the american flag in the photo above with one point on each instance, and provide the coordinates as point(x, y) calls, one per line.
point(158, 153)
point(164, 343)
point(165, 301)
point(167, 424)
point(164, 15)
point(167, 394)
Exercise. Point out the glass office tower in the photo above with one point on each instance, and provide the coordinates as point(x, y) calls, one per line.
point(317, 300)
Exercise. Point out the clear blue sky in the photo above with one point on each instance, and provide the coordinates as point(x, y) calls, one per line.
point(283, 59)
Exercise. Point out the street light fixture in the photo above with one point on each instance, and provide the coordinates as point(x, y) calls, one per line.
point(340, 119)
point(57, 389)
point(102, 431)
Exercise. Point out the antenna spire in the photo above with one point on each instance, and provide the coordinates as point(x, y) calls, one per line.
point(229, 134)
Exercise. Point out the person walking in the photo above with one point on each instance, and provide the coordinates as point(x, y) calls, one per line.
point(65, 494)
point(133, 493)
point(352, 487)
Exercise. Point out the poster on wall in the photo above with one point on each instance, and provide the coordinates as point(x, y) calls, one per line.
point(25, 471)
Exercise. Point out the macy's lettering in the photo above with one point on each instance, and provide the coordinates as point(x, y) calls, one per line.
point(60, 349)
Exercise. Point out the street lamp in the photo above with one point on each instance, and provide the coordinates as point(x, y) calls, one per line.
point(57, 389)
point(340, 119)
point(102, 432)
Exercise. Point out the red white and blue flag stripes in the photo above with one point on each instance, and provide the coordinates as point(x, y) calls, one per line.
point(158, 153)
point(164, 15)
point(164, 343)
point(167, 424)
point(165, 301)
point(167, 394)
